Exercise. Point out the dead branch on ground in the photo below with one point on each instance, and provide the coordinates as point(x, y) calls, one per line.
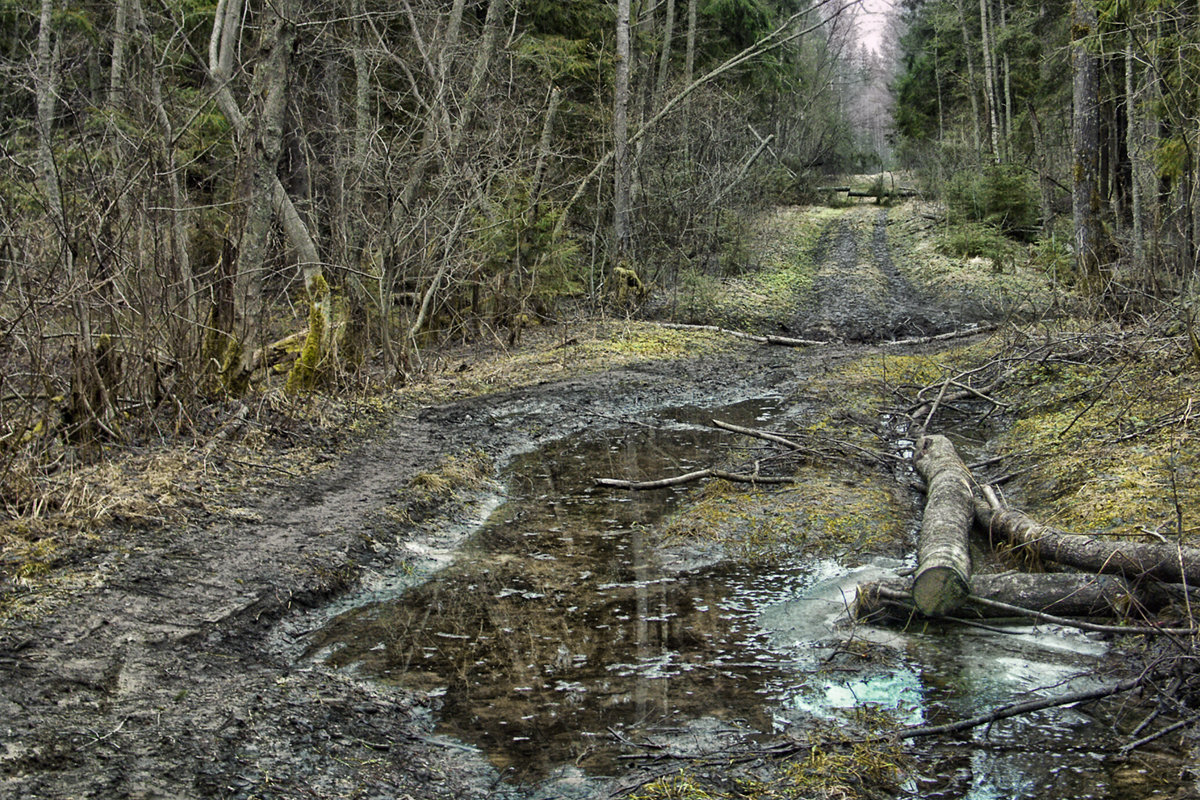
point(782, 341)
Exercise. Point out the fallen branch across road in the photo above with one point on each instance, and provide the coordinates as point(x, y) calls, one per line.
point(1166, 562)
point(700, 474)
point(783, 341)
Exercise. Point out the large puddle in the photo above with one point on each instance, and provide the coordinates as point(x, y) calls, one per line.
point(560, 635)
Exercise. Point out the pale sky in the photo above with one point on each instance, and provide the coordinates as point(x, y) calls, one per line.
point(872, 22)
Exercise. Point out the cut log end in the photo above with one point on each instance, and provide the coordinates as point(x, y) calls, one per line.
point(939, 590)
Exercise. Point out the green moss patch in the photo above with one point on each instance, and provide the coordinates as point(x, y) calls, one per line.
point(829, 513)
point(1113, 447)
point(775, 281)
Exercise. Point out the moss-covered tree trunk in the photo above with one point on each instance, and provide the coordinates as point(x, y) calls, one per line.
point(262, 143)
point(313, 362)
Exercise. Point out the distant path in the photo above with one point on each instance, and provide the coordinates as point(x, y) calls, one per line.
point(860, 295)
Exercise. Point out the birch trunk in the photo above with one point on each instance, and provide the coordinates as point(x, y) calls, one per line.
point(120, 42)
point(621, 168)
point(1085, 143)
point(989, 79)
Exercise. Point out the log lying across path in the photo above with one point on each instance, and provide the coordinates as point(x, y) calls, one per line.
point(1065, 594)
point(1165, 562)
point(943, 578)
point(1119, 577)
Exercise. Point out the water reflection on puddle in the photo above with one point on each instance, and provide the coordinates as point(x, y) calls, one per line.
point(558, 630)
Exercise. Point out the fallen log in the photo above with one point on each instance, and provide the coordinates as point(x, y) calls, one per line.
point(890, 601)
point(700, 474)
point(970, 330)
point(943, 578)
point(1166, 562)
point(885, 193)
point(783, 341)
point(764, 435)
point(1065, 594)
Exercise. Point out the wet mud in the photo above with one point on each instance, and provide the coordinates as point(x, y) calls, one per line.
point(860, 294)
point(176, 672)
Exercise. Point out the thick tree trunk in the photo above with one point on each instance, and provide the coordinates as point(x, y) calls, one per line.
point(622, 174)
point(1133, 141)
point(943, 576)
point(120, 40)
point(1165, 562)
point(257, 182)
point(46, 87)
point(989, 79)
point(1064, 594)
point(972, 92)
point(664, 56)
point(223, 43)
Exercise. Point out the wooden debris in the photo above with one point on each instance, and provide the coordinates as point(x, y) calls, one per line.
point(1133, 560)
point(943, 578)
point(1066, 594)
point(700, 474)
point(783, 341)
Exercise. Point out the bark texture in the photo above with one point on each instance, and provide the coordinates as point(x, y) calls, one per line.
point(1132, 560)
point(1085, 144)
point(943, 578)
point(1065, 594)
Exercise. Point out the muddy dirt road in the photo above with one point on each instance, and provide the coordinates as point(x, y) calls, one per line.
point(168, 672)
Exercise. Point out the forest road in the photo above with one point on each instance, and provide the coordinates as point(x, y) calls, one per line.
point(859, 294)
point(165, 669)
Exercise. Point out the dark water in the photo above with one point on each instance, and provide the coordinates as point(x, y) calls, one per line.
point(560, 634)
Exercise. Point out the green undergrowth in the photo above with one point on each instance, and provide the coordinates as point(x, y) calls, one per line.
point(968, 265)
point(773, 285)
point(845, 514)
point(1112, 445)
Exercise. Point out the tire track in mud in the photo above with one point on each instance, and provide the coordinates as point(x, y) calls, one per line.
point(860, 294)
